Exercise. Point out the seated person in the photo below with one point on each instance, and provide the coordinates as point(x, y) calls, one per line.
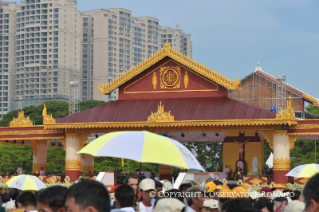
point(42, 172)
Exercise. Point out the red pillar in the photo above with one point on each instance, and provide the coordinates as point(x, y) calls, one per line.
point(279, 177)
point(74, 175)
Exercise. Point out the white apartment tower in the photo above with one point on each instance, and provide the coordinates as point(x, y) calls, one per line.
point(7, 54)
point(48, 51)
point(113, 42)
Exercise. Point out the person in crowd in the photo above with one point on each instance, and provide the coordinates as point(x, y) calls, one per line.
point(311, 194)
point(175, 193)
point(297, 195)
point(42, 172)
point(5, 198)
point(184, 188)
point(210, 205)
point(124, 198)
point(262, 204)
point(267, 192)
point(10, 206)
point(14, 193)
point(132, 180)
point(147, 174)
point(295, 206)
point(158, 191)
point(238, 205)
point(26, 201)
point(280, 203)
point(194, 199)
point(87, 196)
point(147, 187)
point(52, 199)
point(169, 205)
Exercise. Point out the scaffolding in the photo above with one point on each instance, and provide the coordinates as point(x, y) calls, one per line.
point(264, 91)
point(281, 92)
point(74, 97)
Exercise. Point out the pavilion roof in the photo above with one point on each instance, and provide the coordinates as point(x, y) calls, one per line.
point(204, 108)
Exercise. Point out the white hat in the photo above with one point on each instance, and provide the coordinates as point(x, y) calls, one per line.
point(210, 203)
point(10, 206)
point(169, 205)
point(295, 206)
point(147, 184)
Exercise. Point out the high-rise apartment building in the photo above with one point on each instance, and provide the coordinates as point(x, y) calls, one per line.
point(7, 54)
point(48, 51)
point(113, 42)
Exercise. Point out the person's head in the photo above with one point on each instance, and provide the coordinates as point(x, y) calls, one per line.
point(147, 187)
point(297, 195)
point(262, 204)
point(169, 205)
point(87, 196)
point(267, 192)
point(311, 194)
point(14, 193)
point(158, 187)
point(280, 203)
point(124, 196)
point(52, 199)
point(184, 187)
point(195, 198)
point(5, 198)
point(210, 205)
point(226, 166)
point(27, 200)
point(10, 206)
point(132, 180)
point(238, 205)
point(174, 193)
point(41, 168)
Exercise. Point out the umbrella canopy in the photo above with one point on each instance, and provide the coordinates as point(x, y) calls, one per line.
point(26, 182)
point(143, 146)
point(306, 170)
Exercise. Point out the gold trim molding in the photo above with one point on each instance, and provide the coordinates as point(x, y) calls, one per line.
point(36, 167)
point(83, 139)
point(167, 51)
point(281, 164)
point(47, 119)
point(160, 115)
point(88, 168)
point(72, 165)
point(34, 146)
point(230, 124)
point(269, 135)
point(30, 132)
point(21, 121)
point(315, 101)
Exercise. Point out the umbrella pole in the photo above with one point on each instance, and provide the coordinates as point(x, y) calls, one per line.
point(139, 175)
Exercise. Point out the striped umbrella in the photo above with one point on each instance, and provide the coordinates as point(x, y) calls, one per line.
point(306, 170)
point(26, 183)
point(144, 147)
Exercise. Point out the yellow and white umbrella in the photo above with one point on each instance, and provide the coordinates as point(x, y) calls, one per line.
point(26, 183)
point(306, 171)
point(143, 146)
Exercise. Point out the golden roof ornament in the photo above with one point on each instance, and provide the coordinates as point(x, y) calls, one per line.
point(21, 121)
point(160, 115)
point(287, 113)
point(47, 119)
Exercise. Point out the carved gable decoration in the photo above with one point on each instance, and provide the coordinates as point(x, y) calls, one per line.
point(21, 121)
point(172, 73)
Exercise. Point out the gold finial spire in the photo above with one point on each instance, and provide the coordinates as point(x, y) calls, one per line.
point(167, 44)
point(160, 115)
point(166, 39)
point(258, 63)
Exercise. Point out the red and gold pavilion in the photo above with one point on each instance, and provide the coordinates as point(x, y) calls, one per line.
point(171, 93)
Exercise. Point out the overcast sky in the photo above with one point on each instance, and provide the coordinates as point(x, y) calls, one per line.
point(231, 36)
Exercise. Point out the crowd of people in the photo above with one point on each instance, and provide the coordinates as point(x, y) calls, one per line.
point(147, 196)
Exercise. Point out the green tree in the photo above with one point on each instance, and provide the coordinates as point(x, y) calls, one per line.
point(303, 153)
point(313, 109)
point(207, 152)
